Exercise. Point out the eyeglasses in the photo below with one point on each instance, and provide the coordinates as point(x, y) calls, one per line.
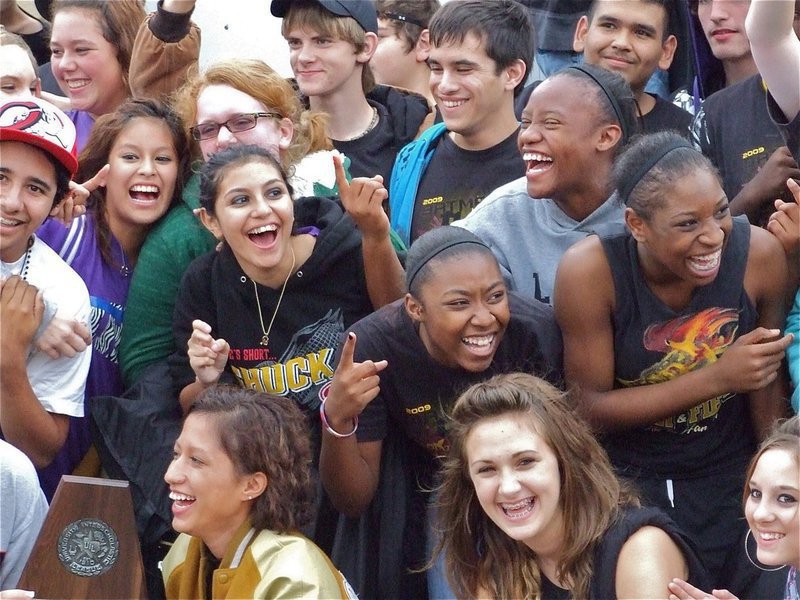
point(236, 124)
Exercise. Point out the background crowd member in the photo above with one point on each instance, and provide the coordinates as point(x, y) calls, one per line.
point(330, 45)
point(532, 508)
point(479, 55)
point(38, 394)
point(694, 378)
point(18, 78)
point(771, 492)
point(456, 326)
point(144, 143)
point(35, 32)
point(574, 124)
point(24, 511)
point(634, 38)
point(91, 45)
point(401, 57)
point(772, 37)
point(241, 487)
point(733, 127)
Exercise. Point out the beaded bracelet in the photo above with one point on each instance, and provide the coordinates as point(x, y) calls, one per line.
point(331, 430)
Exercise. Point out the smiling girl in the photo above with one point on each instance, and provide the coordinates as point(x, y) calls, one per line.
point(676, 352)
point(772, 509)
point(144, 145)
point(241, 488)
point(402, 367)
point(91, 45)
point(530, 506)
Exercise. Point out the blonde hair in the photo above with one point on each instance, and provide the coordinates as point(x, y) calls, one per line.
point(479, 556)
point(312, 16)
point(259, 81)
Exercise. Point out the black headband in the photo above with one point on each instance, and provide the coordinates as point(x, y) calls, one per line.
point(611, 98)
point(403, 18)
point(436, 252)
point(631, 182)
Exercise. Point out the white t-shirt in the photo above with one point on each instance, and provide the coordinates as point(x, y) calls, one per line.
point(59, 384)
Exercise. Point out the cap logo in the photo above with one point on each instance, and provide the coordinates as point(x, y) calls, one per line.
point(30, 118)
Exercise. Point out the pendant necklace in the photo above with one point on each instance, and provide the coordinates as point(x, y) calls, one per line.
point(265, 337)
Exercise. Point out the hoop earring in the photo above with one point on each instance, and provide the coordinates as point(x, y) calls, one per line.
point(752, 562)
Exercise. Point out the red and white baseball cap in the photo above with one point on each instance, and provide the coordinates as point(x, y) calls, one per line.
point(39, 123)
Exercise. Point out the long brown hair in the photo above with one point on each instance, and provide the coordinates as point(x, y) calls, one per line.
point(95, 155)
point(785, 435)
point(119, 21)
point(479, 556)
point(259, 81)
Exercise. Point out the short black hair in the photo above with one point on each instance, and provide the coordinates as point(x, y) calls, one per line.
point(667, 5)
point(62, 179)
point(648, 193)
point(218, 164)
point(606, 85)
point(503, 25)
point(439, 244)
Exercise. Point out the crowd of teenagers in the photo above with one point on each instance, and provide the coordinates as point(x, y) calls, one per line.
point(492, 299)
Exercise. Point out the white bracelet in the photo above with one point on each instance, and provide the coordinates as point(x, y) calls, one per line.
point(323, 417)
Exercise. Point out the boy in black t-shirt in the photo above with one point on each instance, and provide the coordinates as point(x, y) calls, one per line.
point(633, 38)
point(479, 56)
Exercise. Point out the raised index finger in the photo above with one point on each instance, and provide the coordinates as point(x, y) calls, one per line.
point(348, 351)
point(341, 178)
point(99, 180)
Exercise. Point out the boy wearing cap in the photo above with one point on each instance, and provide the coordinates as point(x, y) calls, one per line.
point(330, 45)
point(38, 394)
point(479, 55)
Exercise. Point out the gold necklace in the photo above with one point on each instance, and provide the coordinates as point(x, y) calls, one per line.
point(265, 337)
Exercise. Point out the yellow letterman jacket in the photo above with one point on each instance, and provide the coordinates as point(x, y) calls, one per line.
point(257, 564)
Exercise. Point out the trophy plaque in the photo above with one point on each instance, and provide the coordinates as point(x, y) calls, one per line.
point(88, 546)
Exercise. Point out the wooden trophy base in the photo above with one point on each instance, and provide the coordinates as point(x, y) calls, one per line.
point(88, 547)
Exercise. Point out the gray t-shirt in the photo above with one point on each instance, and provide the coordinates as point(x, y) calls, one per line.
point(530, 235)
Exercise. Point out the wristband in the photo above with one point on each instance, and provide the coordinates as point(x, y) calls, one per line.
point(323, 417)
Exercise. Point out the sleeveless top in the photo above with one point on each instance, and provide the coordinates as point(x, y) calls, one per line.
point(606, 555)
point(653, 344)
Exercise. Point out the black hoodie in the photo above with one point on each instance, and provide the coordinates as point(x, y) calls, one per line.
point(326, 295)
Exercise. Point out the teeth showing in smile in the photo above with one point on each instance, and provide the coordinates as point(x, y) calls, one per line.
point(74, 84)
point(771, 536)
point(9, 222)
point(181, 497)
point(479, 341)
point(264, 229)
point(707, 262)
point(535, 156)
point(518, 510)
point(146, 189)
point(453, 103)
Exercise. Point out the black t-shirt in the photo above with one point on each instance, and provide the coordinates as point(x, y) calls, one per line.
point(665, 116)
point(374, 153)
point(417, 392)
point(734, 130)
point(456, 180)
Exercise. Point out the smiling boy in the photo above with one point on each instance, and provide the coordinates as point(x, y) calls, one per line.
point(38, 394)
point(330, 45)
point(632, 38)
point(479, 55)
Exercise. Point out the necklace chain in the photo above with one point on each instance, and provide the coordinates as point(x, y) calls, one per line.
point(23, 271)
point(369, 128)
point(265, 337)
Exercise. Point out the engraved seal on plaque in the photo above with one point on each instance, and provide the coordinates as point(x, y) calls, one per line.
point(88, 547)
